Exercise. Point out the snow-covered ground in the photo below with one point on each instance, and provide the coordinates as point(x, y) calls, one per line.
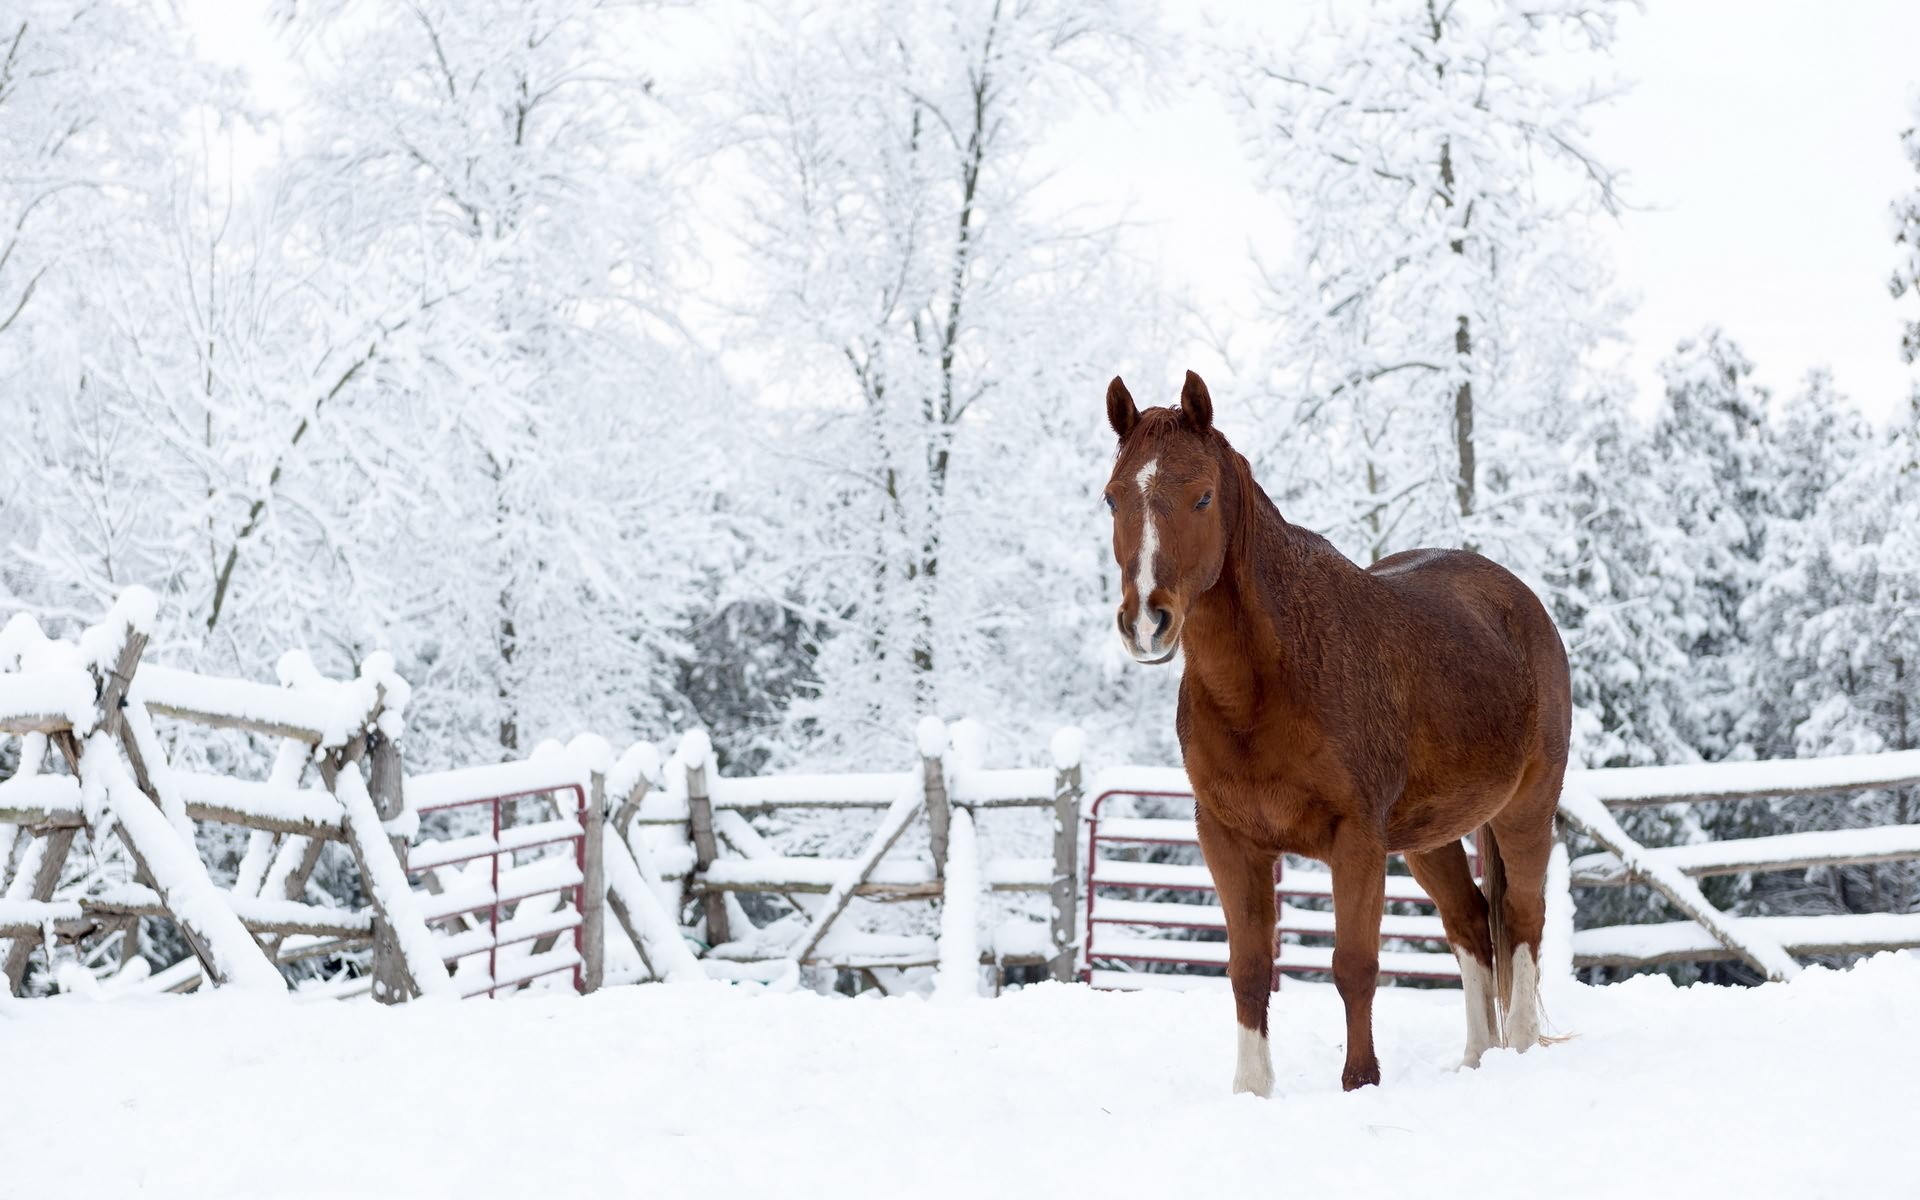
point(1802, 1089)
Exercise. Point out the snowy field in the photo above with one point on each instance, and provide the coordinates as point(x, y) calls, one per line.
point(1801, 1090)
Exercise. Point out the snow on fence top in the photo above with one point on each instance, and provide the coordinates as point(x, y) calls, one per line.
point(1629, 787)
point(444, 789)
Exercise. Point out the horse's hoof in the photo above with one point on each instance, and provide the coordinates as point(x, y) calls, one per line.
point(1354, 1078)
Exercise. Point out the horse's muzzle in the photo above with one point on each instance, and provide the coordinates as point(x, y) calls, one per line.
point(1159, 645)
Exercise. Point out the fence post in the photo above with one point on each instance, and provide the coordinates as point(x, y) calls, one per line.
point(1064, 892)
point(933, 774)
point(593, 888)
point(698, 753)
point(385, 783)
point(384, 775)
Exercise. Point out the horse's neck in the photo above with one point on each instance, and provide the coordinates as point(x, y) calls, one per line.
point(1238, 643)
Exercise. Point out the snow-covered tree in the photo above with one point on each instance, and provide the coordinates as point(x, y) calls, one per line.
point(546, 472)
point(1716, 464)
point(941, 337)
point(1906, 237)
point(97, 103)
point(1443, 288)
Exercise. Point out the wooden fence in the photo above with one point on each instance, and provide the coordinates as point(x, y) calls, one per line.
point(1771, 945)
point(518, 889)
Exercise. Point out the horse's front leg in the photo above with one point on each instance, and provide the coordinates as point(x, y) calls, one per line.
point(1359, 896)
point(1243, 875)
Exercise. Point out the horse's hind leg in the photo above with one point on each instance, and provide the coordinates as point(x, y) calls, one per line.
point(1444, 874)
point(1243, 875)
point(1523, 833)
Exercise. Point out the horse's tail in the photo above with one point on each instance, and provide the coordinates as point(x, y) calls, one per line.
point(1493, 882)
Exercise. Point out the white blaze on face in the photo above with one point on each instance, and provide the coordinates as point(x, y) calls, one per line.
point(1143, 624)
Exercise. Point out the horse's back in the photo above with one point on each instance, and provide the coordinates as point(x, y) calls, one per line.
point(1477, 636)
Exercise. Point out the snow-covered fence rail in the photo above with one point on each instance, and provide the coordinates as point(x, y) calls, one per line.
point(718, 856)
point(1770, 945)
point(91, 704)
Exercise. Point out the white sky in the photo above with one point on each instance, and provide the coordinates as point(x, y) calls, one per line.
point(1760, 141)
point(1761, 147)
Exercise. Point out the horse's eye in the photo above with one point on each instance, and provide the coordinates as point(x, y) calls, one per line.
point(1109, 500)
point(1204, 501)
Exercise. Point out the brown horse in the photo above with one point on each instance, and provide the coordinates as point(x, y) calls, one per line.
point(1343, 714)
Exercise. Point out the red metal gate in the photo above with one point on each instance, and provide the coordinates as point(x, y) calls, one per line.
point(563, 874)
point(1109, 937)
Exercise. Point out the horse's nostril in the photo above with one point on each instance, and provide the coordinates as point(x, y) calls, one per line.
point(1161, 619)
point(1126, 631)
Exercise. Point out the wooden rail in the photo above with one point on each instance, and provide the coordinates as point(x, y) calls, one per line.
point(709, 808)
point(1771, 945)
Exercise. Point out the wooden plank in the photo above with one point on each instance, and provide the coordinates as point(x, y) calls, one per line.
point(813, 887)
point(1683, 941)
point(705, 850)
point(892, 825)
point(593, 891)
point(53, 858)
point(1782, 852)
point(21, 724)
point(933, 783)
point(1706, 783)
point(142, 839)
point(286, 919)
point(1590, 817)
point(652, 929)
point(37, 801)
point(199, 909)
point(416, 969)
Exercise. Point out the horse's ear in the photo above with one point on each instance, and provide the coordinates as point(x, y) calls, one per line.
point(1196, 403)
point(1121, 412)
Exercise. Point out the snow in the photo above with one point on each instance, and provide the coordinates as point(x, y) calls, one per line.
point(872, 789)
point(1068, 745)
point(32, 914)
point(132, 612)
point(311, 806)
point(48, 693)
point(256, 909)
point(1885, 843)
point(1708, 781)
point(820, 873)
point(990, 787)
point(444, 789)
point(640, 763)
point(1678, 940)
point(959, 977)
point(299, 710)
point(40, 797)
point(696, 749)
point(931, 736)
point(715, 1090)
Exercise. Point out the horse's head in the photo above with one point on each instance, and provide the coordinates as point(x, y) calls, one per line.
point(1168, 537)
